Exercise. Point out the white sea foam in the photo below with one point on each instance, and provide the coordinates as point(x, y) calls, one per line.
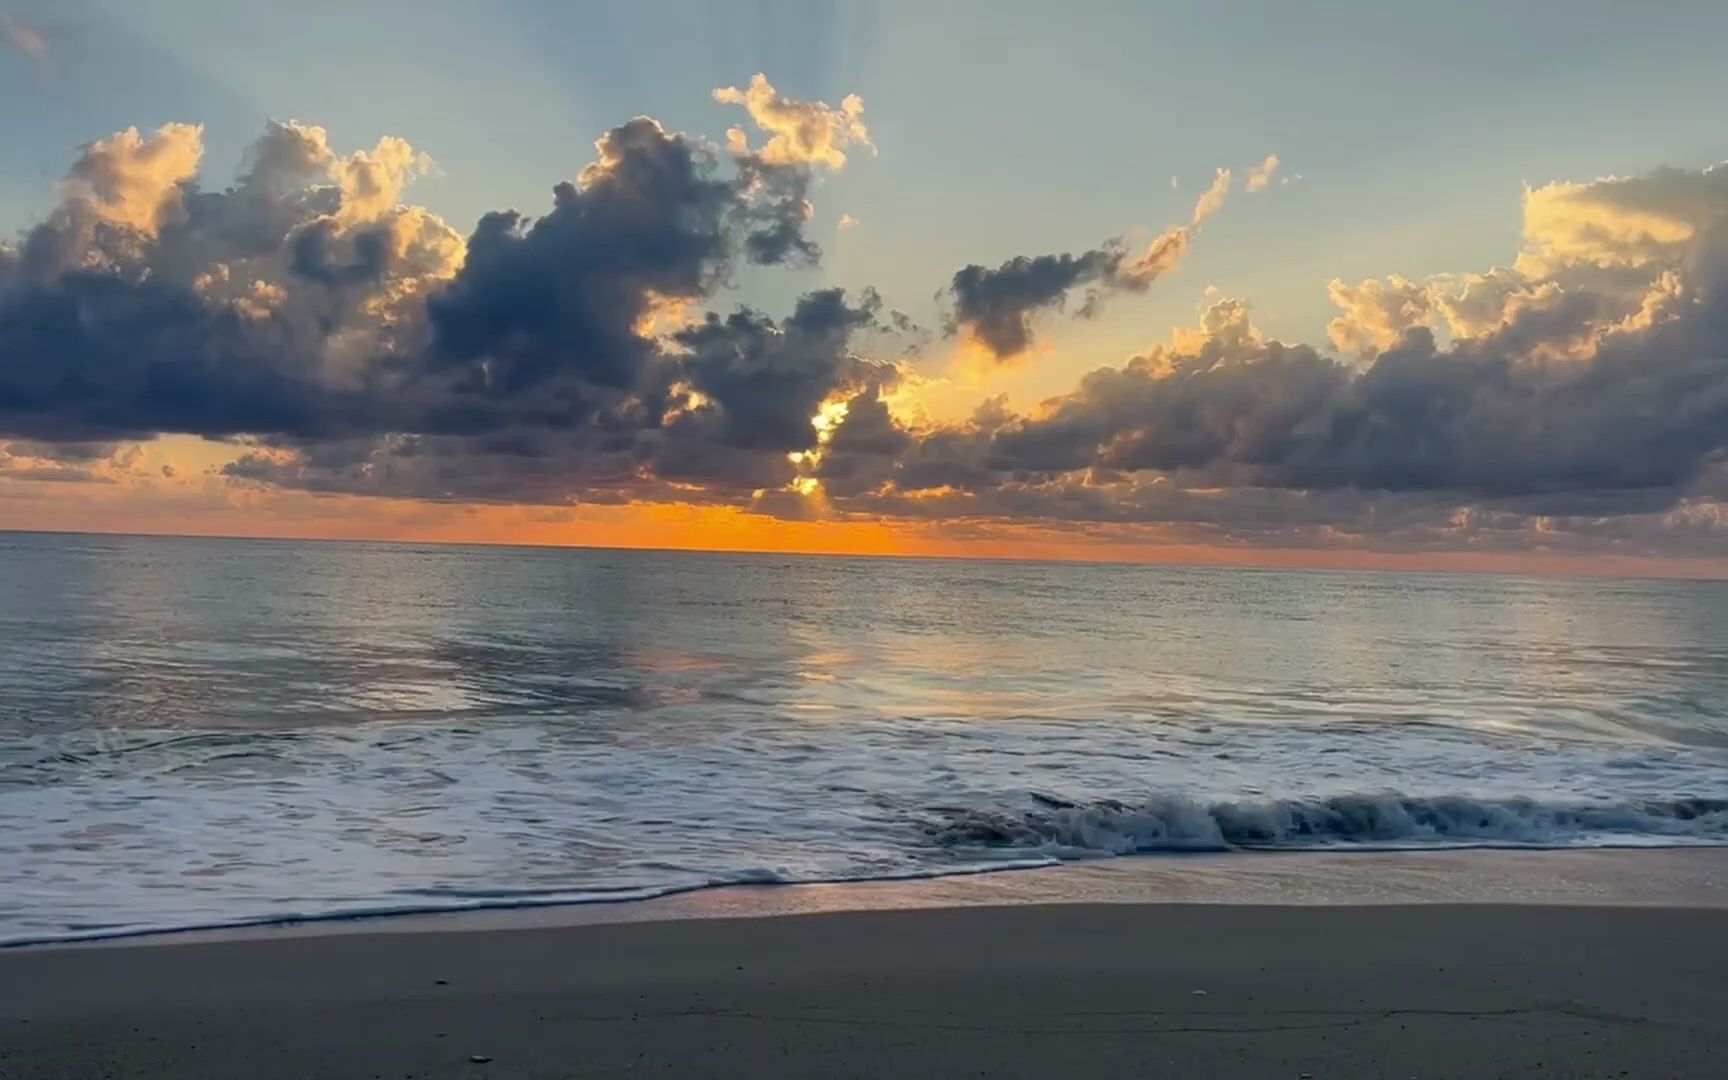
point(116, 835)
point(1382, 822)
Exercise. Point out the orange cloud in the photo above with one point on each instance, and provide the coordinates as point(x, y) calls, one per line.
point(1260, 176)
point(799, 132)
point(1376, 314)
point(1212, 199)
point(22, 38)
point(132, 180)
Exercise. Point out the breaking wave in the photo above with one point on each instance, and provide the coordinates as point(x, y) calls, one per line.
point(1069, 830)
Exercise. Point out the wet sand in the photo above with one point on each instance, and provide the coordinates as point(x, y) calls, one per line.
point(1070, 990)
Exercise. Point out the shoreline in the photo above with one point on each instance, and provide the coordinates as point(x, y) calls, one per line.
point(1693, 878)
point(1101, 990)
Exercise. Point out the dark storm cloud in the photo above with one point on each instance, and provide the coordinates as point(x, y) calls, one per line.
point(93, 356)
point(1580, 422)
point(302, 304)
point(563, 295)
point(865, 447)
point(505, 468)
point(997, 305)
point(722, 409)
point(1083, 509)
point(774, 216)
point(145, 305)
point(1476, 418)
point(283, 185)
point(1492, 442)
point(312, 253)
point(768, 380)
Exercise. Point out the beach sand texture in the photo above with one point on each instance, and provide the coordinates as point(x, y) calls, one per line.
point(1115, 990)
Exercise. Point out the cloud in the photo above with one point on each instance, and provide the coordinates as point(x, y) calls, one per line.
point(1376, 315)
point(1618, 253)
point(359, 345)
point(145, 304)
point(120, 189)
point(1577, 402)
point(1212, 199)
point(557, 300)
point(1486, 417)
point(799, 132)
point(1619, 222)
point(997, 306)
point(1260, 176)
point(372, 181)
point(132, 181)
point(1225, 422)
point(775, 179)
point(312, 253)
point(306, 302)
point(763, 381)
point(24, 461)
point(727, 413)
point(23, 38)
point(863, 448)
point(345, 341)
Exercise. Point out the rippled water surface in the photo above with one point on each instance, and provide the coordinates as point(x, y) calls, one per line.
point(197, 732)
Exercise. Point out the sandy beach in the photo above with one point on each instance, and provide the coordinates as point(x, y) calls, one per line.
point(1129, 990)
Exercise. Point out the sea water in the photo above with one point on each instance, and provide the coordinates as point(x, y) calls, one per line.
point(212, 732)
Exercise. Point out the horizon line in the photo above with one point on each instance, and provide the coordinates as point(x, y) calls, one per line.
point(1561, 568)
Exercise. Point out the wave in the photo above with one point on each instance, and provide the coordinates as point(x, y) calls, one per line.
point(1069, 830)
point(983, 840)
point(453, 901)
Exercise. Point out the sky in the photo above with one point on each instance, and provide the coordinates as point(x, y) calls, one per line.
point(1332, 284)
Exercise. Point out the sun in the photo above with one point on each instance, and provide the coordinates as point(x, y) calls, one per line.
point(827, 418)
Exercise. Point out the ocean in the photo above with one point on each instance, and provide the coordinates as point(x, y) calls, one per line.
point(199, 733)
